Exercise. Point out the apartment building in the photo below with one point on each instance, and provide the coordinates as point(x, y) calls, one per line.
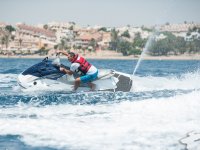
point(33, 38)
point(179, 29)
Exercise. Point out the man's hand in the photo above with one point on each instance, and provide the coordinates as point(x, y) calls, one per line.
point(58, 52)
point(66, 71)
point(62, 51)
point(62, 69)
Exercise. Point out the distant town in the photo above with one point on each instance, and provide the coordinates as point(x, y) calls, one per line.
point(168, 39)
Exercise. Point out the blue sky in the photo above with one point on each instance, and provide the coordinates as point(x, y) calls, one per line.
point(100, 12)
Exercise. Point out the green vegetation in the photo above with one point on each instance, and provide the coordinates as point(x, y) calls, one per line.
point(173, 45)
point(125, 47)
point(114, 40)
point(71, 28)
point(103, 29)
point(9, 28)
point(147, 29)
point(126, 34)
point(93, 44)
point(42, 51)
point(5, 40)
point(138, 42)
point(170, 45)
point(46, 27)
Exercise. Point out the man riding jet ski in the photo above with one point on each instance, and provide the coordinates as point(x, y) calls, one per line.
point(79, 65)
point(51, 73)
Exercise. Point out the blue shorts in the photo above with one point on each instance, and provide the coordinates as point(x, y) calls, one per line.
point(89, 77)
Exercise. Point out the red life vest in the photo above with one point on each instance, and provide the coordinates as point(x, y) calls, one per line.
point(84, 65)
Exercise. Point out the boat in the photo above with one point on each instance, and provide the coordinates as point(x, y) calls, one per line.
point(47, 73)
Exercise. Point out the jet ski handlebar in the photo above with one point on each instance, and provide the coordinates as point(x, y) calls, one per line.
point(45, 59)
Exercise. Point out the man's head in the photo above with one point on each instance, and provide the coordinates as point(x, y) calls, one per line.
point(71, 56)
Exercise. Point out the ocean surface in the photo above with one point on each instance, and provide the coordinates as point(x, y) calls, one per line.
point(162, 108)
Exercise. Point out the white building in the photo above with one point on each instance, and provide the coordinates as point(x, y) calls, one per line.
point(62, 30)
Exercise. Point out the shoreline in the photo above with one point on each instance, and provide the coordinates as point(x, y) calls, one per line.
point(180, 57)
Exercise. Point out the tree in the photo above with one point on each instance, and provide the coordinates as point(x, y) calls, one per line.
point(6, 37)
point(12, 37)
point(125, 47)
point(197, 46)
point(199, 30)
point(194, 29)
point(63, 43)
point(191, 47)
point(42, 51)
point(71, 27)
point(93, 43)
point(139, 42)
point(161, 47)
point(114, 34)
point(167, 23)
point(46, 27)
point(147, 29)
point(10, 28)
point(20, 43)
point(3, 41)
point(188, 33)
point(114, 40)
point(55, 46)
point(79, 47)
point(153, 50)
point(72, 22)
point(126, 34)
point(135, 51)
point(103, 29)
point(180, 46)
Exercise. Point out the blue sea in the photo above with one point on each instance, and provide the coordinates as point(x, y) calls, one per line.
point(163, 106)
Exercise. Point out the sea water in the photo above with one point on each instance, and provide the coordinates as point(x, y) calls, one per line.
point(163, 107)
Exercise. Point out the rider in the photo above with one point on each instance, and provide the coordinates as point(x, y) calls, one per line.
point(80, 65)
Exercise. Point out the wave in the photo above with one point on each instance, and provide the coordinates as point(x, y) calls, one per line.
point(188, 81)
point(150, 124)
point(90, 98)
point(143, 88)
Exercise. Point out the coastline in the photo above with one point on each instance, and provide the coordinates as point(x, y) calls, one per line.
point(179, 57)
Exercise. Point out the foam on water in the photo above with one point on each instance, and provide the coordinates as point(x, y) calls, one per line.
point(7, 79)
point(152, 124)
point(186, 81)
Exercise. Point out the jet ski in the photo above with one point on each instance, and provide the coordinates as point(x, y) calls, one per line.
point(47, 74)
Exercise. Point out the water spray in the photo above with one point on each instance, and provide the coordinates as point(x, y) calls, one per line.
point(145, 49)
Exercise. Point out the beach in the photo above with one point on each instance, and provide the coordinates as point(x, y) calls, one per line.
point(117, 57)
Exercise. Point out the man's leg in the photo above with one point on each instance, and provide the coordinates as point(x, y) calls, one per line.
point(92, 86)
point(77, 83)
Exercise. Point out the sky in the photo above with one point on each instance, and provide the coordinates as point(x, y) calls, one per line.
point(108, 13)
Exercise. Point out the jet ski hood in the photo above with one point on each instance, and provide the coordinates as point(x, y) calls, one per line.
point(46, 68)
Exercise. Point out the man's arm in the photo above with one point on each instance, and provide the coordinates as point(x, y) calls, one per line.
point(63, 52)
point(66, 71)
